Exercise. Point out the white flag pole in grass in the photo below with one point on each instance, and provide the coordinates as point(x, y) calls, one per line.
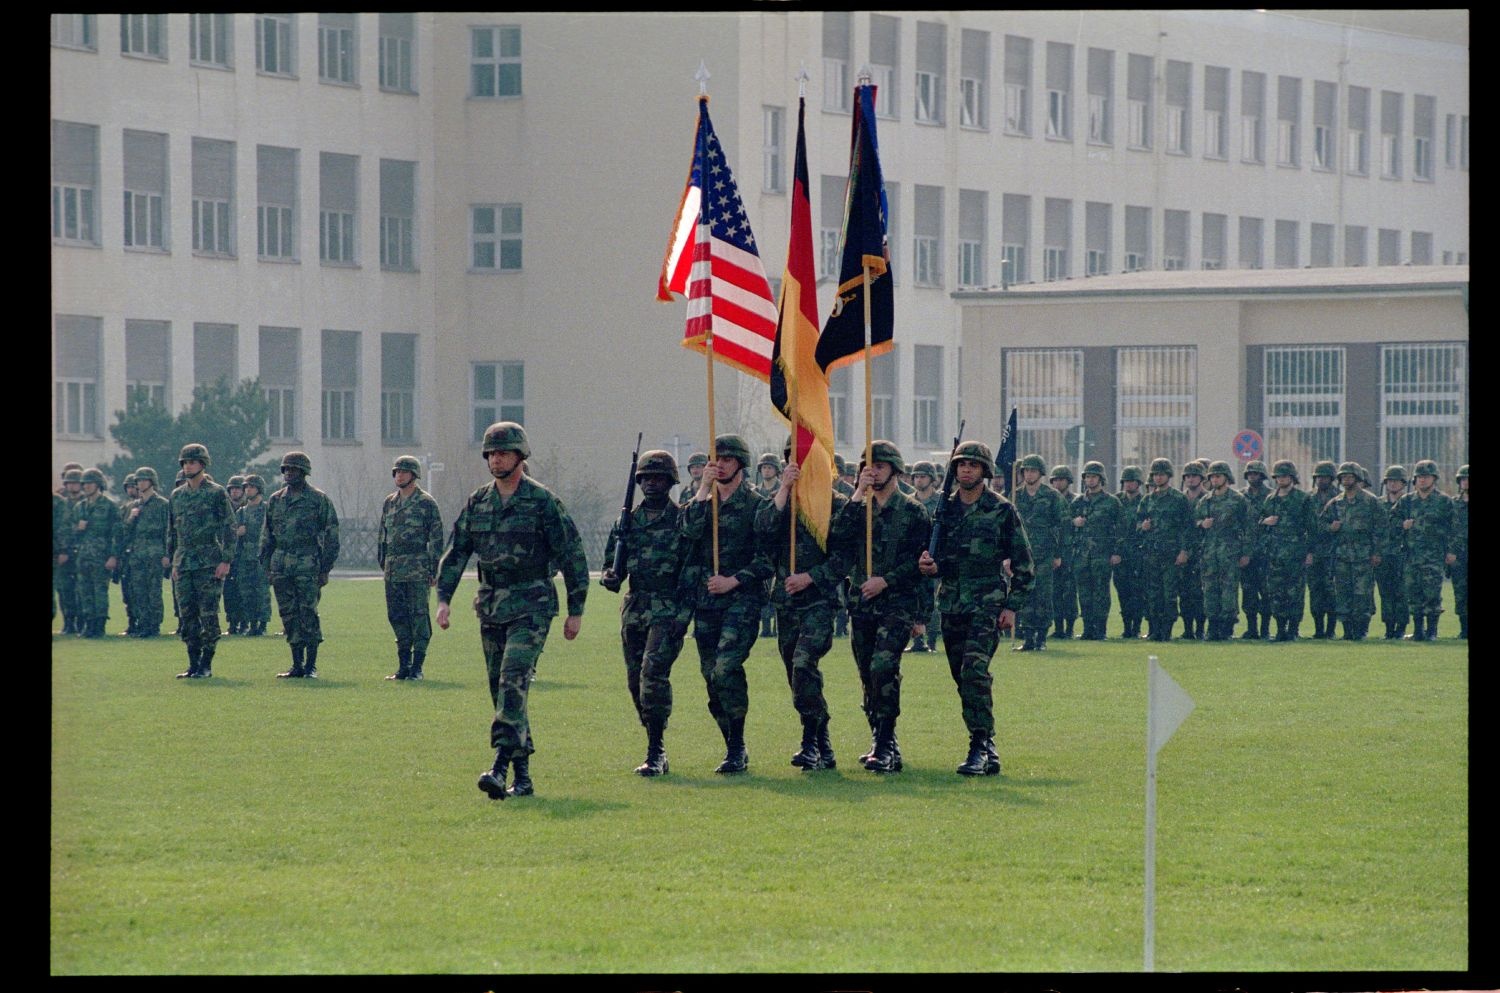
point(1167, 706)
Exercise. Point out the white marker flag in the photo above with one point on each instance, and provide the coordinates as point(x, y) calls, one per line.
point(1167, 706)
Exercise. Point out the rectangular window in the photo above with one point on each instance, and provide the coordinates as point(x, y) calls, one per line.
point(145, 225)
point(1252, 116)
point(1179, 106)
point(773, 149)
point(1101, 85)
point(1059, 90)
point(398, 34)
point(1215, 112)
point(885, 63)
point(75, 182)
point(398, 212)
point(932, 72)
point(1015, 239)
point(398, 388)
point(144, 35)
point(1017, 85)
point(338, 198)
point(495, 62)
point(1321, 250)
point(830, 225)
point(276, 202)
point(927, 394)
point(839, 387)
point(77, 342)
point(1288, 120)
point(837, 30)
point(496, 237)
point(211, 39)
point(148, 360)
point(1174, 229)
point(974, 79)
point(1252, 239)
point(1463, 143)
point(1097, 231)
point(1304, 407)
point(280, 373)
point(1057, 237)
point(213, 197)
point(276, 44)
point(1357, 135)
point(1156, 411)
point(1045, 386)
point(337, 48)
point(927, 241)
point(1421, 248)
point(215, 354)
point(499, 394)
point(883, 395)
point(1139, 70)
point(1387, 247)
point(340, 385)
point(1422, 405)
point(973, 214)
point(1390, 135)
point(1325, 115)
point(75, 31)
point(1287, 256)
point(1356, 245)
point(1215, 241)
point(1450, 140)
point(1423, 129)
point(1137, 238)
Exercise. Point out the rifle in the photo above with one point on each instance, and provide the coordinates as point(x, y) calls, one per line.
point(950, 475)
point(618, 567)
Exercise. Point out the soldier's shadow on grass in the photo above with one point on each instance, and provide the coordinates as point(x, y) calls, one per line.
point(857, 785)
point(428, 683)
point(559, 808)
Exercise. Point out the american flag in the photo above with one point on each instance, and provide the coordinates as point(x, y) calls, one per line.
point(712, 260)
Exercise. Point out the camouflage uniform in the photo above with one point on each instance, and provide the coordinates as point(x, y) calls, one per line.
point(976, 540)
point(233, 610)
point(520, 543)
point(1169, 536)
point(928, 642)
point(1320, 601)
point(1045, 518)
point(299, 544)
point(1390, 574)
point(654, 616)
point(1064, 586)
point(725, 625)
point(1221, 546)
point(97, 540)
point(1130, 588)
point(255, 586)
point(880, 627)
point(1287, 543)
point(1354, 544)
point(122, 568)
point(1426, 526)
point(146, 533)
point(1093, 544)
point(65, 574)
point(688, 489)
point(1190, 591)
point(200, 539)
point(1253, 576)
point(62, 544)
point(1458, 547)
point(411, 542)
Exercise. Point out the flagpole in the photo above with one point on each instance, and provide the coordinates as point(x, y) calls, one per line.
point(791, 496)
point(702, 76)
point(864, 80)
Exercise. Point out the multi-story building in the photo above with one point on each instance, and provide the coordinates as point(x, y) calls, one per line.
point(409, 225)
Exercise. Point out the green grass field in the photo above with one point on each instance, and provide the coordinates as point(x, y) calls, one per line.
point(1312, 813)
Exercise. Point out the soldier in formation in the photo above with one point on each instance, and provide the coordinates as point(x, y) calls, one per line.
point(1390, 575)
point(64, 564)
point(1064, 587)
point(1320, 600)
point(255, 586)
point(1354, 523)
point(1098, 529)
point(695, 464)
point(408, 549)
point(653, 615)
point(1224, 547)
point(1253, 575)
point(522, 535)
point(1288, 526)
point(200, 543)
point(234, 614)
point(1164, 522)
point(121, 575)
point(1458, 566)
point(1426, 527)
point(96, 551)
point(1044, 515)
point(1130, 587)
point(924, 480)
point(1190, 602)
point(146, 531)
point(981, 532)
point(298, 545)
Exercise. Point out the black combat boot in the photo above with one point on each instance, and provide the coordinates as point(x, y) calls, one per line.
point(874, 740)
point(1317, 625)
point(1329, 630)
point(310, 670)
point(883, 759)
point(1252, 625)
point(1463, 626)
point(977, 760)
point(296, 671)
point(1058, 630)
point(492, 782)
point(736, 758)
point(206, 660)
point(418, 656)
point(1023, 640)
point(992, 757)
point(1432, 620)
point(192, 669)
point(403, 663)
point(520, 784)
point(808, 757)
point(656, 750)
point(825, 746)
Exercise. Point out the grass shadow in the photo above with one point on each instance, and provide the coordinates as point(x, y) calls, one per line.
point(560, 808)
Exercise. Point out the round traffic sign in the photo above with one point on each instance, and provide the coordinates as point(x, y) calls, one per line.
point(1247, 446)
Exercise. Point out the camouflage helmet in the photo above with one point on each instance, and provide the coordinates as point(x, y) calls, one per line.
point(1286, 467)
point(924, 468)
point(697, 459)
point(1426, 467)
point(1219, 467)
point(656, 463)
point(1195, 468)
point(733, 446)
point(505, 436)
point(130, 479)
point(885, 451)
point(1093, 469)
point(1256, 465)
point(1397, 472)
point(93, 475)
point(1463, 472)
point(770, 459)
point(1324, 468)
point(1033, 461)
point(146, 473)
point(1062, 472)
point(407, 463)
point(235, 482)
point(976, 451)
point(1162, 466)
point(255, 480)
point(1349, 469)
point(72, 465)
point(72, 475)
point(297, 460)
point(1131, 474)
point(194, 452)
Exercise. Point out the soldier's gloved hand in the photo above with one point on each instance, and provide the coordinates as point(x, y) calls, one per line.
point(609, 580)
